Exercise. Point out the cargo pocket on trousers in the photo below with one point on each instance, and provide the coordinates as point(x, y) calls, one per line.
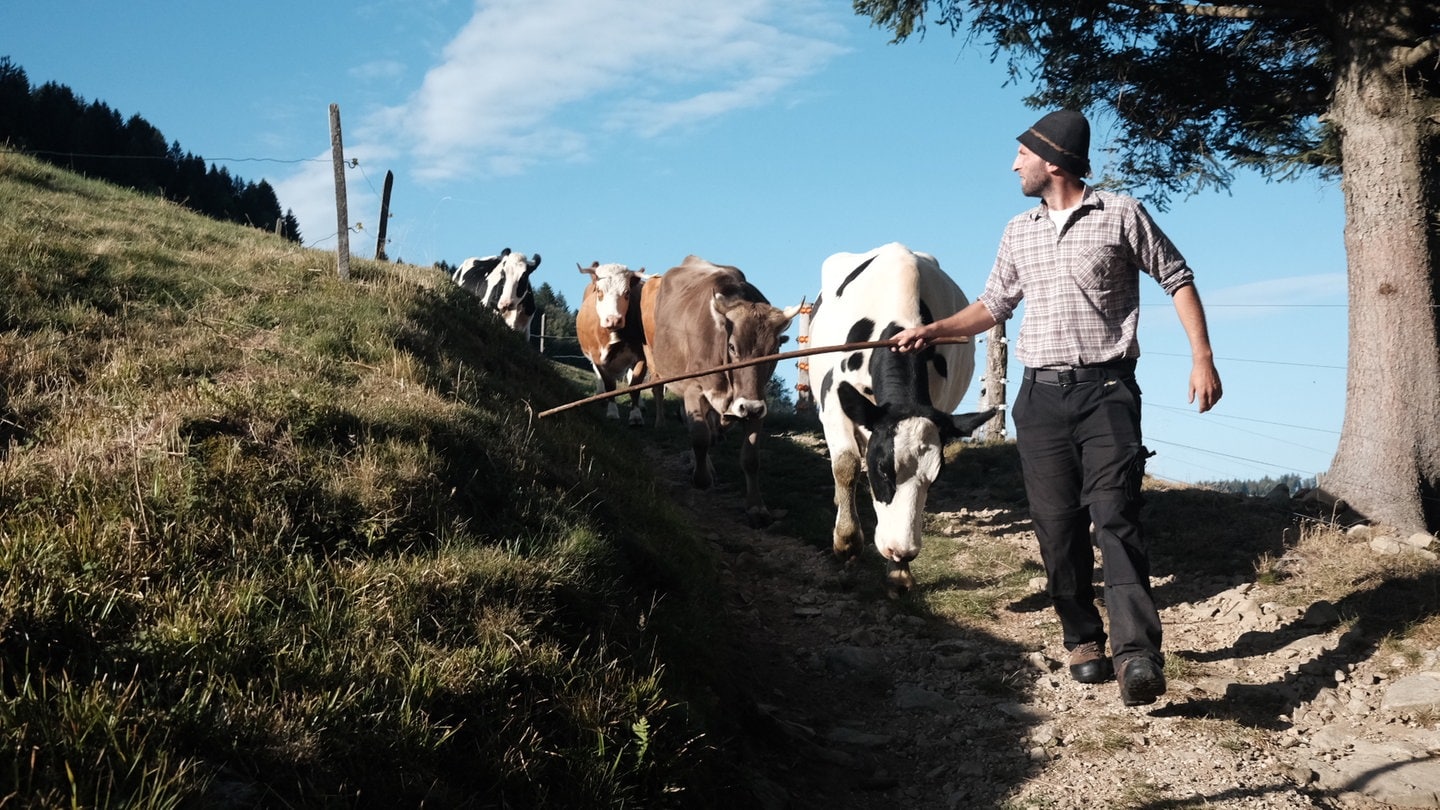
point(1135, 476)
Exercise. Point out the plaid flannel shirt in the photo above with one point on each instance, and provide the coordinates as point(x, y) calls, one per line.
point(1081, 285)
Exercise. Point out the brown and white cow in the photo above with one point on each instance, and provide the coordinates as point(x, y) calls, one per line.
point(503, 283)
point(891, 409)
point(699, 316)
point(611, 332)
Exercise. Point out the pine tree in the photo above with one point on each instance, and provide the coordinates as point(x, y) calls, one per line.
point(62, 128)
point(290, 229)
point(15, 106)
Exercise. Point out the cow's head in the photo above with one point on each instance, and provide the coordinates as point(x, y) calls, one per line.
point(903, 458)
point(509, 286)
point(614, 285)
point(752, 329)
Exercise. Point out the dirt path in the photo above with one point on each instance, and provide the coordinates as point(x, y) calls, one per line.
point(880, 705)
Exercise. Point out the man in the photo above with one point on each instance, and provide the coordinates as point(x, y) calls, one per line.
point(1076, 260)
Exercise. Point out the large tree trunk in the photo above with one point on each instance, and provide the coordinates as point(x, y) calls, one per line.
point(1387, 465)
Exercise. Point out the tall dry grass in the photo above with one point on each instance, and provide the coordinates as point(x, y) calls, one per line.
point(271, 538)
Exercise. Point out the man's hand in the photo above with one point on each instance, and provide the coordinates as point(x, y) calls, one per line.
point(1205, 385)
point(911, 340)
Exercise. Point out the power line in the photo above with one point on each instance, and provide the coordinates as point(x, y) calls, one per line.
point(1219, 454)
point(1209, 305)
point(265, 160)
point(166, 158)
point(1247, 360)
point(1245, 419)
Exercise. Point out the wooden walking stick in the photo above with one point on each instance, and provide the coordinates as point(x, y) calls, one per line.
point(754, 361)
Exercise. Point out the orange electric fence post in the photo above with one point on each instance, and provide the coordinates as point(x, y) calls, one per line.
point(804, 399)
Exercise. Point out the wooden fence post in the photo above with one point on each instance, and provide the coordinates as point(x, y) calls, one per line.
point(992, 391)
point(384, 217)
point(342, 213)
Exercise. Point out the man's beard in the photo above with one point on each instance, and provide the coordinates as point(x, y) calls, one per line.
point(1034, 186)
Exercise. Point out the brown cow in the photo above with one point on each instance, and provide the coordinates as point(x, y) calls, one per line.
point(611, 336)
point(701, 316)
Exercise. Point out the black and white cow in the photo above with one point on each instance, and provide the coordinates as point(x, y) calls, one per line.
point(890, 409)
point(503, 283)
point(474, 273)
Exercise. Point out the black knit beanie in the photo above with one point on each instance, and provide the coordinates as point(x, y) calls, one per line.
point(1062, 138)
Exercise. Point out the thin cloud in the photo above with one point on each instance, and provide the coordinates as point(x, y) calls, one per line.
point(310, 194)
point(529, 81)
point(1272, 295)
point(378, 70)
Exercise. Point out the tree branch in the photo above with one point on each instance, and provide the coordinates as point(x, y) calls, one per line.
point(1252, 11)
point(1405, 58)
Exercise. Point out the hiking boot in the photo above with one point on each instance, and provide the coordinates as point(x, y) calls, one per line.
point(1090, 664)
point(1141, 681)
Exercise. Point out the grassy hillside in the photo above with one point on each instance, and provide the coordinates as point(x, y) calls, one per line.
point(270, 538)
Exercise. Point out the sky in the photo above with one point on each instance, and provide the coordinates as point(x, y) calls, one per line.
point(764, 134)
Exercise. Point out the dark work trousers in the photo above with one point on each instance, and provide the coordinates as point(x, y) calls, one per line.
point(1083, 462)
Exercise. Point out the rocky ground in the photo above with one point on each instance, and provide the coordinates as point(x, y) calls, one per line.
point(1270, 705)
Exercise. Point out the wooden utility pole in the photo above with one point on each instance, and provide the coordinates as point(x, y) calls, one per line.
point(342, 213)
point(992, 391)
point(384, 217)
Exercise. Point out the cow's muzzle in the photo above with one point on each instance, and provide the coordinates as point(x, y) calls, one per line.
point(744, 409)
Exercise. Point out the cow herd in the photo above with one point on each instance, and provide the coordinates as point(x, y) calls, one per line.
point(886, 413)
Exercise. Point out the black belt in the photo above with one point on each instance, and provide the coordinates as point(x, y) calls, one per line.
point(1119, 370)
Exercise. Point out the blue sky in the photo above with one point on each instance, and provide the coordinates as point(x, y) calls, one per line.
point(766, 134)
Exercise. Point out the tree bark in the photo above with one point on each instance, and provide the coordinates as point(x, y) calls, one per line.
point(1387, 464)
